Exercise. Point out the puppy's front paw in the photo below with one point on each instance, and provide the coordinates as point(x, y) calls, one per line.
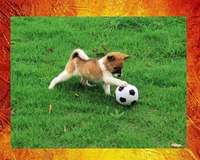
point(50, 87)
point(123, 84)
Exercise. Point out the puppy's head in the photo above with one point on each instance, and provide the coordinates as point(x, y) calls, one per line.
point(114, 62)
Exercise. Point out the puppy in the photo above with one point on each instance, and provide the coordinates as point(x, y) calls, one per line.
point(102, 70)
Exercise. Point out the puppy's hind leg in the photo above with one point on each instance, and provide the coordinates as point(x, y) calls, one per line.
point(84, 81)
point(63, 76)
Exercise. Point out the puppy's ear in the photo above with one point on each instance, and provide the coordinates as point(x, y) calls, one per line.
point(126, 57)
point(110, 58)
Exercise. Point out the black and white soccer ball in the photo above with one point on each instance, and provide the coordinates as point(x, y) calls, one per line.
point(126, 95)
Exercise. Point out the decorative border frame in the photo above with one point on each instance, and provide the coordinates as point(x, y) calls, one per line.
point(190, 9)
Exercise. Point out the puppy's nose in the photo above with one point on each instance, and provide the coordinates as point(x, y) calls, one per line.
point(119, 75)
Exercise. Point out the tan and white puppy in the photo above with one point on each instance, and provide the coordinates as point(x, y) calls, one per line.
point(101, 70)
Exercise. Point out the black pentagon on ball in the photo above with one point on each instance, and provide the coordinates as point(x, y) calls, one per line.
point(120, 89)
point(132, 92)
point(122, 99)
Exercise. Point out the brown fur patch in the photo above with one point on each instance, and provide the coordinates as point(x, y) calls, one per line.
point(88, 69)
point(118, 60)
point(70, 67)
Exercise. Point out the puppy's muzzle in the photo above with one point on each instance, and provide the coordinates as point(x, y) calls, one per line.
point(117, 73)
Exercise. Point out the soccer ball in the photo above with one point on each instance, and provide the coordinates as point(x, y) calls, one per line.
point(126, 95)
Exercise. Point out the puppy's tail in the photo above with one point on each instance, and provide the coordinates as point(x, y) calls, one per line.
point(80, 54)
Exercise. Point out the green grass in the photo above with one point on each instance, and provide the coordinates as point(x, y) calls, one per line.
point(40, 48)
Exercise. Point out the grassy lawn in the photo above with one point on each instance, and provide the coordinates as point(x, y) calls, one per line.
point(82, 117)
